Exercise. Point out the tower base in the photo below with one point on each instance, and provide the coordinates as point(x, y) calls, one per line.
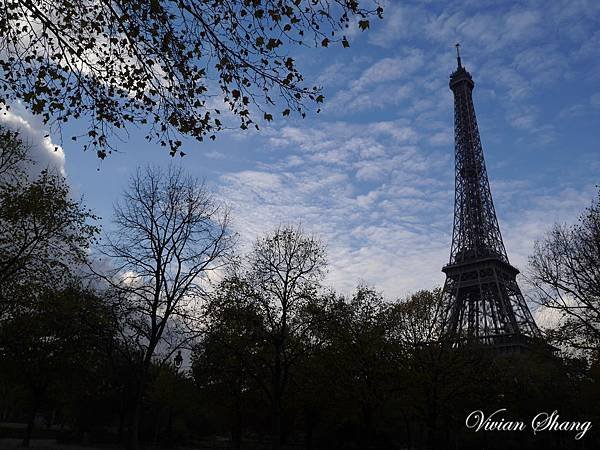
point(484, 305)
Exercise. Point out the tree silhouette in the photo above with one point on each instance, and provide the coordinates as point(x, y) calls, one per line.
point(44, 233)
point(50, 341)
point(170, 234)
point(161, 63)
point(565, 269)
point(231, 357)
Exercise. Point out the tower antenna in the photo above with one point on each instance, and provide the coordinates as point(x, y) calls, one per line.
point(458, 55)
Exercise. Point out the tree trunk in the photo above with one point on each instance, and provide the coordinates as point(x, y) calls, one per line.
point(276, 413)
point(121, 427)
point(310, 421)
point(408, 433)
point(134, 431)
point(31, 419)
point(236, 433)
point(169, 432)
point(276, 423)
point(122, 416)
point(276, 398)
point(135, 420)
point(366, 431)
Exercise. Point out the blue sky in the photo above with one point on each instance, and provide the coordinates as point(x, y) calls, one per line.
point(373, 174)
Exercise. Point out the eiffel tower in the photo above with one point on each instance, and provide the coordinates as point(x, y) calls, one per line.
point(481, 298)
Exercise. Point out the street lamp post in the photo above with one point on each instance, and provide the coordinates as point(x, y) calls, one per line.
point(177, 361)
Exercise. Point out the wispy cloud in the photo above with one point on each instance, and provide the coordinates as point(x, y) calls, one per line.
point(366, 189)
point(387, 220)
point(380, 190)
point(381, 84)
point(373, 173)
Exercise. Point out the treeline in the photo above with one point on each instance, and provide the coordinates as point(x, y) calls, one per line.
point(159, 333)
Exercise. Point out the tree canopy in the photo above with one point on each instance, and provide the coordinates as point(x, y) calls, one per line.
point(565, 269)
point(44, 232)
point(170, 234)
point(164, 63)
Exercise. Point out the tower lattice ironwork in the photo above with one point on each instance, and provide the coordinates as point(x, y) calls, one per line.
point(481, 297)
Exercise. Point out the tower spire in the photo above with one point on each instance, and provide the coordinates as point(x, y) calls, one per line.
point(482, 300)
point(458, 55)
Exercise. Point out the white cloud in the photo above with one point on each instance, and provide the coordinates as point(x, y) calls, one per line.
point(385, 82)
point(442, 138)
point(367, 200)
point(215, 155)
point(576, 110)
point(364, 189)
point(521, 24)
point(380, 195)
point(43, 151)
point(542, 64)
point(523, 121)
point(400, 22)
point(375, 98)
point(389, 69)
